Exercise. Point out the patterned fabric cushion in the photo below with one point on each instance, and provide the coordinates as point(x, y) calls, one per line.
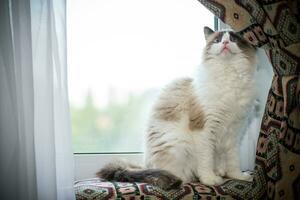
point(97, 189)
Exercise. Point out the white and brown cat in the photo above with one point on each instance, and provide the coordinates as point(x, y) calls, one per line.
point(194, 129)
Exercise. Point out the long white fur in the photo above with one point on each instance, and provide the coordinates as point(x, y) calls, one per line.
point(212, 152)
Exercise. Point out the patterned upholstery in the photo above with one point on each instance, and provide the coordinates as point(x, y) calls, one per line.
point(97, 189)
point(272, 25)
point(275, 26)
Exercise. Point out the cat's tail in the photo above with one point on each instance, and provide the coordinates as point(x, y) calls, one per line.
point(123, 172)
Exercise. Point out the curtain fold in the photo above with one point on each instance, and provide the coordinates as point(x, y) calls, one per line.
point(275, 27)
point(35, 135)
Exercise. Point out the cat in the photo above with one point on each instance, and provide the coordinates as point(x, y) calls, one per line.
point(194, 129)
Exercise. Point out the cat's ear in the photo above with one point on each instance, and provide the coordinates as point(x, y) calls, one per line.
point(207, 32)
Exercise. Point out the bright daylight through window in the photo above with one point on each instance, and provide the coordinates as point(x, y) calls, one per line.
point(120, 54)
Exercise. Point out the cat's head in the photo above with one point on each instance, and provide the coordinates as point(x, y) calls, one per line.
point(226, 45)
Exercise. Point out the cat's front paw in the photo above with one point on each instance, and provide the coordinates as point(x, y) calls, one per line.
point(240, 176)
point(211, 180)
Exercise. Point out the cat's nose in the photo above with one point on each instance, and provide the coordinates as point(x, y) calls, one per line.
point(225, 42)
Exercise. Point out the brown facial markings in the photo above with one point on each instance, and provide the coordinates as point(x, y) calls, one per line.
point(241, 42)
point(210, 41)
point(216, 35)
point(247, 49)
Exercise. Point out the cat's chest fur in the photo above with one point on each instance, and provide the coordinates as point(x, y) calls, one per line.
point(226, 94)
point(226, 90)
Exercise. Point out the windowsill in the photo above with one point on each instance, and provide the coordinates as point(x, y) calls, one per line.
point(88, 164)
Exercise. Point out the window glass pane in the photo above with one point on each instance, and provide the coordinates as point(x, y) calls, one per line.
point(120, 54)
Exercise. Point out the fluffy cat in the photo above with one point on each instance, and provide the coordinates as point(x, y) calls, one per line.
point(195, 125)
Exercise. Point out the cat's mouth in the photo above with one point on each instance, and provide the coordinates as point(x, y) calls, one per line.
point(225, 49)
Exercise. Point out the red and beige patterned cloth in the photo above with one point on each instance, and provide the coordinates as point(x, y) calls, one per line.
point(272, 25)
point(97, 189)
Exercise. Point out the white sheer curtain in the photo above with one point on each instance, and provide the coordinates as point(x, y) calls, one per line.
point(35, 136)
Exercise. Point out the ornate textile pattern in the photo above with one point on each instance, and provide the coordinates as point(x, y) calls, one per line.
point(275, 26)
point(96, 189)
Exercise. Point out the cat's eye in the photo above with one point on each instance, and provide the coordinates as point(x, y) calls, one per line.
point(217, 40)
point(233, 38)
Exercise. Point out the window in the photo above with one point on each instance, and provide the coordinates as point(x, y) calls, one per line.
point(120, 54)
